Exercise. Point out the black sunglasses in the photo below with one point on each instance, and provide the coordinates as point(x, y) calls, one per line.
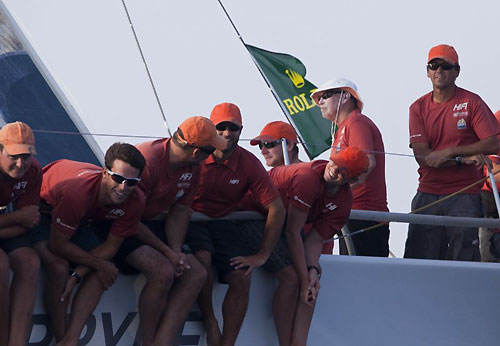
point(269, 144)
point(329, 93)
point(435, 65)
point(122, 180)
point(227, 125)
point(209, 150)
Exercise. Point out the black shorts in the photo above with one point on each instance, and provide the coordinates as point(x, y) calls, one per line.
point(11, 244)
point(222, 238)
point(131, 244)
point(89, 235)
point(253, 234)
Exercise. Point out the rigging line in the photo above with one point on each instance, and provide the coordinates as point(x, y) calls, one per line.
point(147, 68)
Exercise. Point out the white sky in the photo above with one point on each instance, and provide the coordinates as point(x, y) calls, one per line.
point(197, 61)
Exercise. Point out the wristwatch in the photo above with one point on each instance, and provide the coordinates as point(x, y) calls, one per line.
point(458, 160)
point(75, 275)
point(315, 268)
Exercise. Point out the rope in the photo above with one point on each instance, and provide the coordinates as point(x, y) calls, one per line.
point(146, 67)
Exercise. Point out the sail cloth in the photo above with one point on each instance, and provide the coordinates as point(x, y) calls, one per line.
point(286, 75)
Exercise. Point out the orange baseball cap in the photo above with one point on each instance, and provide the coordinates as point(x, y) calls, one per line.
point(17, 138)
point(226, 112)
point(445, 52)
point(353, 159)
point(275, 130)
point(497, 115)
point(200, 132)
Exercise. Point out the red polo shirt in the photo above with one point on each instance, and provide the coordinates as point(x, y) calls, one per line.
point(18, 193)
point(222, 186)
point(162, 186)
point(359, 131)
point(72, 188)
point(462, 120)
point(302, 185)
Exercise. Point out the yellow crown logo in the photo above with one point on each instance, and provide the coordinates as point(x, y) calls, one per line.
point(296, 78)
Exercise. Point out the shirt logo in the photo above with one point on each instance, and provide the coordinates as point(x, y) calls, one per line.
point(186, 176)
point(460, 106)
point(116, 213)
point(234, 181)
point(296, 198)
point(58, 220)
point(179, 194)
point(461, 124)
point(20, 185)
point(331, 206)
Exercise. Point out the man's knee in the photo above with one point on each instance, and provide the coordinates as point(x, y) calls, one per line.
point(25, 261)
point(239, 281)
point(288, 276)
point(198, 272)
point(205, 258)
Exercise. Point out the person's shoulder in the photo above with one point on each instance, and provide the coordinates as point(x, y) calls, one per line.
point(421, 100)
point(154, 148)
point(467, 94)
point(244, 154)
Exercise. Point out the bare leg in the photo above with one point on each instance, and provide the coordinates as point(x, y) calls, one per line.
point(302, 323)
point(205, 300)
point(84, 303)
point(235, 305)
point(56, 270)
point(285, 303)
point(159, 273)
point(4, 298)
point(180, 300)
point(26, 267)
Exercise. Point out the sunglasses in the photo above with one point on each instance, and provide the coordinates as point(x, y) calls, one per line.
point(122, 180)
point(435, 65)
point(329, 93)
point(227, 125)
point(270, 144)
point(209, 150)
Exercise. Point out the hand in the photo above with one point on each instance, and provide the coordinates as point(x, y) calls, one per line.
point(438, 157)
point(251, 262)
point(314, 285)
point(29, 216)
point(182, 264)
point(478, 160)
point(305, 292)
point(70, 284)
point(107, 272)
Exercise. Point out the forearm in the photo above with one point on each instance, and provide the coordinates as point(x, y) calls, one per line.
point(147, 237)
point(176, 225)
point(9, 220)
point(313, 246)
point(73, 253)
point(296, 247)
point(11, 232)
point(272, 232)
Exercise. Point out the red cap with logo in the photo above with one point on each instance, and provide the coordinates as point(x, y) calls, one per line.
point(17, 138)
point(200, 132)
point(226, 112)
point(444, 52)
point(353, 159)
point(275, 130)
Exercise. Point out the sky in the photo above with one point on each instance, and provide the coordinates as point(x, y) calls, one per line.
point(87, 52)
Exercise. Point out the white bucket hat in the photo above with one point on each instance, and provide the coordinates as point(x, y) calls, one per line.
point(340, 83)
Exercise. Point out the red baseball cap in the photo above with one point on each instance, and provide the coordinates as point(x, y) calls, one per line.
point(444, 52)
point(275, 130)
point(497, 115)
point(200, 132)
point(226, 112)
point(353, 159)
point(17, 138)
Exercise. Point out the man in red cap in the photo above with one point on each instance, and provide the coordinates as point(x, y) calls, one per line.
point(270, 143)
point(226, 176)
point(450, 129)
point(20, 181)
point(170, 182)
point(317, 193)
point(340, 102)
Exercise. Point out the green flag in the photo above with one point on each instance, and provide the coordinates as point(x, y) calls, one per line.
point(286, 75)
